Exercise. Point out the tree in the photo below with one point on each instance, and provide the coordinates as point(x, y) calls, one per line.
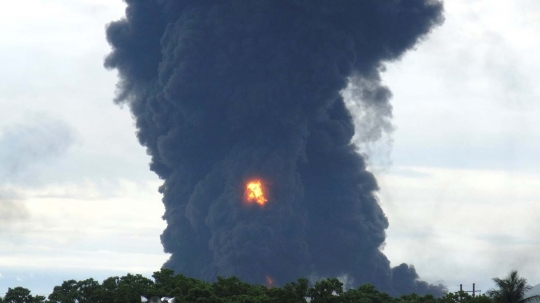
point(367, 293)
point(294, 292)
point(132, 287)
point(232, 287)
point(65, 293)
point(89, 291)
point(463, 297)
point(510, 289)
point(109, 288)
point(326, 291)
point(21, 295)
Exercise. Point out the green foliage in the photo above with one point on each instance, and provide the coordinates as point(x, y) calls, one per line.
point(130, 288)
point(295, 292)
point(510, 289)
point(65, 293)
point(88, 291)
point(21, 295)
point(367, 293)
point(326, 291)
point(463, 297)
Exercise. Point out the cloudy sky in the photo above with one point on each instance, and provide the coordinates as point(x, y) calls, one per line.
point(459, 179)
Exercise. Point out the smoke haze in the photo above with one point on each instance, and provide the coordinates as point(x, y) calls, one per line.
point(226, 91)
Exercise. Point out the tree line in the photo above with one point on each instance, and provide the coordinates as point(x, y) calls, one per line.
point(130, 289)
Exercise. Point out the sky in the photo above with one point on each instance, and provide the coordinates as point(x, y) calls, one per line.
point(459, 176)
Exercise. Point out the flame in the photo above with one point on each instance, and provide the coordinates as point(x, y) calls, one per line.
point(269, 282)
point(254, 192)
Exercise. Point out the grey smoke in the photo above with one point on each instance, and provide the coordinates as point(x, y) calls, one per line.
point(27, 146)
point(369, 103)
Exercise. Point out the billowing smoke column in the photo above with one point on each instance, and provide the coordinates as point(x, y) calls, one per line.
point(227, 91)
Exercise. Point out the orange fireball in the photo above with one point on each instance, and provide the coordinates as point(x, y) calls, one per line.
point(254, 192)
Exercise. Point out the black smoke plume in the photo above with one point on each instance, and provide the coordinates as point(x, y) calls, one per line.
point(223, 91)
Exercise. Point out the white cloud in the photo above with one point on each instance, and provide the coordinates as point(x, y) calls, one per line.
point(78, 228)
point(471, 85)
point(96, 205)
point(462, 225)
point(462, 197)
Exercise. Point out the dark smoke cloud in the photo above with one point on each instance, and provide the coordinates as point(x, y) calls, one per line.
point(226, 90)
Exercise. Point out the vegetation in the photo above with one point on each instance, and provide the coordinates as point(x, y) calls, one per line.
point(511, 289)
point(130, 288)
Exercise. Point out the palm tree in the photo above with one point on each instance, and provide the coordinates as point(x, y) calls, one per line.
point(511, 289)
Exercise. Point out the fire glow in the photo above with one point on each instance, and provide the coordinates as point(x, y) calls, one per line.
point(269, 282)
point(254, 192)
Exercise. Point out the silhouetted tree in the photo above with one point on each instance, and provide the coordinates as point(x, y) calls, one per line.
point(510, 289)
point(21, 295)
